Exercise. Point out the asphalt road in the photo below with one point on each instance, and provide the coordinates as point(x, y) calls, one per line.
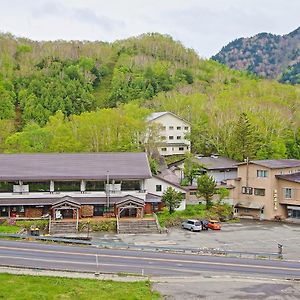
point(91, 259)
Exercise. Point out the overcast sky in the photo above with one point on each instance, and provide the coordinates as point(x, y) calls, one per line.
point(205, 25)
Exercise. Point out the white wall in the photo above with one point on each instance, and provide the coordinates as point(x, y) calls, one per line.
point(172, 145)
point(150, 185)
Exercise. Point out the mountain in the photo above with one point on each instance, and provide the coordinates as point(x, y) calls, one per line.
point(59, 96)
point(266, 55)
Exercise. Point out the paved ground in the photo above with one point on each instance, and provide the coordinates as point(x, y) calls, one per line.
point(218, 288)
point(245, 236)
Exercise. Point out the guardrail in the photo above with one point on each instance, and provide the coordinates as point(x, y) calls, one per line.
point(118, 245)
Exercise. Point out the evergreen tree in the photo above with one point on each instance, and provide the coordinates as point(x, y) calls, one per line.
point(245, 140)
point(206, 188)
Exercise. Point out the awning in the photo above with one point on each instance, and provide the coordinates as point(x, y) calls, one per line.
point(151, 198)
point(293, 207)
point(249, 205)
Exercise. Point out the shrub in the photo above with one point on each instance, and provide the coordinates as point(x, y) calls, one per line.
point(97, 225)
point(41, 224)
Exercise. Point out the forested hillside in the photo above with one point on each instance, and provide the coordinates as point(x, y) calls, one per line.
point(92, 96)
point(265, 54)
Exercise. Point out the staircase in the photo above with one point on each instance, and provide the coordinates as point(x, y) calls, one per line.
point(127, 226)
point(61, 227)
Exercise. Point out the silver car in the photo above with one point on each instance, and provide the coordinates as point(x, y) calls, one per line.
point(192, 225)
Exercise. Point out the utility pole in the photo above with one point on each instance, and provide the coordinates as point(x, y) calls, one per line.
point(107, 189)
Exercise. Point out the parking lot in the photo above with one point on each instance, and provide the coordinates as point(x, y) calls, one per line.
point(249, 236)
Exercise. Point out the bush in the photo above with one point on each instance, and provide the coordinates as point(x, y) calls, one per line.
point(41, 224)
point(97, 225)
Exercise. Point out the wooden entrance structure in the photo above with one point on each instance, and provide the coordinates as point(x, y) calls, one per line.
point(130, 203)
point(66, 203)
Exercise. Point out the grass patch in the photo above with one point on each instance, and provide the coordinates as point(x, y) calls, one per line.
point(198, 211)
point(9, 229)
point(43, 287)
point(23, 224)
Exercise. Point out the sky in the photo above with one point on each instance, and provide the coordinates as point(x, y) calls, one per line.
point(204, 25)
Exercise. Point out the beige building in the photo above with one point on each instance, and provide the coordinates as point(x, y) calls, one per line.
point(267, 189)
point(173, 132)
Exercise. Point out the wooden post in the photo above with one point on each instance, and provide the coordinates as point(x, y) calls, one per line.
point(77, 218)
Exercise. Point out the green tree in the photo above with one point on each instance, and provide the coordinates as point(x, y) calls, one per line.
point(191, 169)
point(223, 193)
point(172, 199)
point(206, 188)
point(245, 142)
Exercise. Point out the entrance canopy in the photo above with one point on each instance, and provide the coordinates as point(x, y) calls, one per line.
point(130, 203)
point(66, 202)
point(249, 205)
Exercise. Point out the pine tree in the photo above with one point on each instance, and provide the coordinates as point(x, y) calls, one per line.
point(244, 138)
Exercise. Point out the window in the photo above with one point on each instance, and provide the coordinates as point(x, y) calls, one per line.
point(171, 137)
point(186, 128)
point(236, 210)
point(163, 138)
point(287, 193)
point(164, 127)
point(262, 173)
point(178, 137)
point(158, 188)
point(193, 193)
point(181, 148)
point(262, 210)
point(164, 149)
point(259, 192)
point(155, 207)
point(247, 190)
point(171, 127)
point(178, 127)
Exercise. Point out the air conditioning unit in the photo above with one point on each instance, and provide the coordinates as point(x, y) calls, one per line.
point(21, 188)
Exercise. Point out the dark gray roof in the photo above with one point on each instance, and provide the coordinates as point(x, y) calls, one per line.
point(75, 166)
point(217, 162)
point(290, 177)
point(276, 163)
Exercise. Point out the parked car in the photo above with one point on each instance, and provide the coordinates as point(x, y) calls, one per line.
point(214, 225)
point(192, 225)
point(204, 224)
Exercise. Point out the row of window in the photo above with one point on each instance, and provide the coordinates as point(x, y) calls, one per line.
point(164, 149)
point(287, 192)
point(264, 173)
point(257, 192)
point(171, 137)
point(67, 186)
point(178, 128)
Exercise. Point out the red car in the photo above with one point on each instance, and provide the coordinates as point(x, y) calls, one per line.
point(214, 225)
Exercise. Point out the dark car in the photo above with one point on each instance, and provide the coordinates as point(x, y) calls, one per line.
point(204, 224)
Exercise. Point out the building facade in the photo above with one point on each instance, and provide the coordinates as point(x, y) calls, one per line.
point(63, 186)
point(219, 167)
point(267, 189)
point(72, 185)
point(172, 133)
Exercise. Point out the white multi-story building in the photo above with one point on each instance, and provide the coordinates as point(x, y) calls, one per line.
point(173, 132)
